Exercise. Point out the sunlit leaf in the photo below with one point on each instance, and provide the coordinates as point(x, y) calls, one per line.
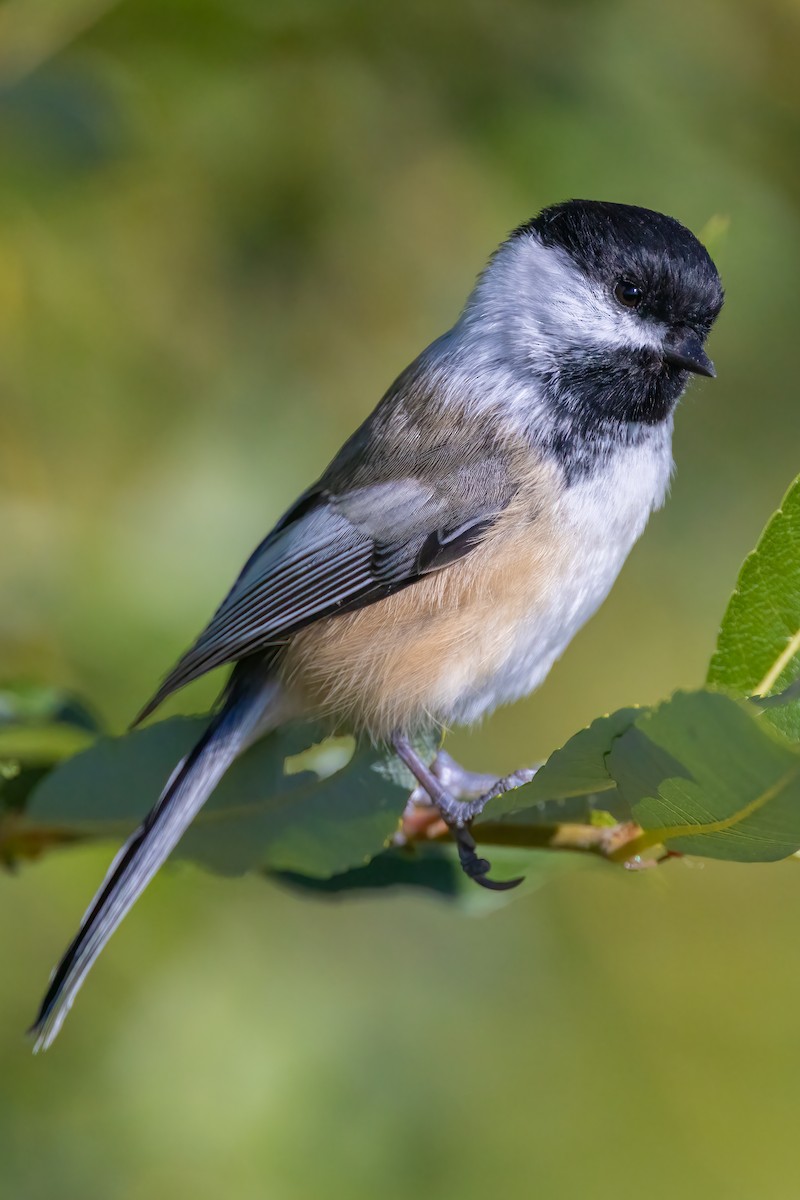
point(758, 649)
point(574, 780)
point(705, 774)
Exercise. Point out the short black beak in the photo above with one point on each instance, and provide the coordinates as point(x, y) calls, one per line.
point(685, 350)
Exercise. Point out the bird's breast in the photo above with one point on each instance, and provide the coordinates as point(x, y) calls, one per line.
point(485, 630)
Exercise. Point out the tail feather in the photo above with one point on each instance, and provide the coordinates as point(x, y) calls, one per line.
point(190, 785)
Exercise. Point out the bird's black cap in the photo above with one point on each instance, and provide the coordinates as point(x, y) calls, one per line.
point(610, 242)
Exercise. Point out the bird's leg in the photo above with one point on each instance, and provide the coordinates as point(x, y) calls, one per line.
point(481, 788)
point(458, 781)
point(506, 784)
point(455, 813)
point(470, 791)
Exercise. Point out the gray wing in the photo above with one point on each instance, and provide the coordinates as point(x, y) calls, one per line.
point(333, 553)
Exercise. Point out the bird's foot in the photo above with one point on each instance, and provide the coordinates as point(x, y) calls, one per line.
point(457, 813)
point(507, 784)
point(469, 791)
point(458, 781)
point(477, 868)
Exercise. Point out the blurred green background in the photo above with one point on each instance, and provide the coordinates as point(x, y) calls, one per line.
point(225, 225)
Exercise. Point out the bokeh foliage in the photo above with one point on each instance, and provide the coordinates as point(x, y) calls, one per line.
point(223, 228)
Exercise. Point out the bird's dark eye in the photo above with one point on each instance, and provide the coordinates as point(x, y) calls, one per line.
point(628, 293)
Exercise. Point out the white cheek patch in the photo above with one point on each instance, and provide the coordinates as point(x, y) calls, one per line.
point(549, 304)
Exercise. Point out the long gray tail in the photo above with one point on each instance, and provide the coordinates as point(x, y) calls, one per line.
point(244, 715)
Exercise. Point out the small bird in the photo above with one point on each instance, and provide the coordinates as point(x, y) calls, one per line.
point(464, 533)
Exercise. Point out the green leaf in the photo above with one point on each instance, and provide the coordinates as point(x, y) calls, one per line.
point(39, 727)
point(573, 782)
point(434, 867)
point(705, 774)
point(394, 769)
point(258, 817)
point(27, 703)
point(758, 648)
point(39, 745)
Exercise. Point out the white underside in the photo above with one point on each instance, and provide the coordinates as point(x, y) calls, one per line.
point(600, 518)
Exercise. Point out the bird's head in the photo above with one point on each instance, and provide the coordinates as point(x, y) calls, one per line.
point(608, 305)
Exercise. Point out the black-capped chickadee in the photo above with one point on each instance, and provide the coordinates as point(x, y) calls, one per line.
point(475, 521)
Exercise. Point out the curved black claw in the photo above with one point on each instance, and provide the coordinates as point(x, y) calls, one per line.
point(477, 868)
